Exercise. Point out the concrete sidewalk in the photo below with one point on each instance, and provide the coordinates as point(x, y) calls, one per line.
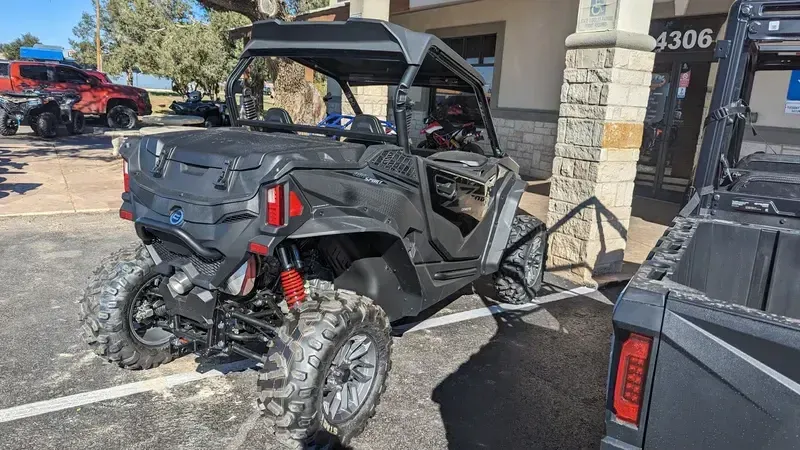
point(63, 175)
point(80, 174)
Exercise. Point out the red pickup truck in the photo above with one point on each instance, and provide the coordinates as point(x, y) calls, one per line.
point(119, 105)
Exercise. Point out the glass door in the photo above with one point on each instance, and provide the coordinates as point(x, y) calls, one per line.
point(655, 121)
point(681, 135)
point(671, 127)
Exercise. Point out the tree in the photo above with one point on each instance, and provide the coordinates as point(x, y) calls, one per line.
point(201, 53)
point(11, 49)
point(299, 97)
point(137, 29)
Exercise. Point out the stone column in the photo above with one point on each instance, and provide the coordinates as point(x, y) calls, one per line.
point(374, 100)
point(609, 62)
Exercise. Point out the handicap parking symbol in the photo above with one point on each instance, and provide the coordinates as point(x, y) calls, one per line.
point(597, 8)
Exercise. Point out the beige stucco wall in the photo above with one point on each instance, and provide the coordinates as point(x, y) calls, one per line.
point(769, 100)
point(533, 50)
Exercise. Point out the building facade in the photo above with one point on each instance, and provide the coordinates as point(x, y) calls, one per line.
point(604, 98)
point(519, 47)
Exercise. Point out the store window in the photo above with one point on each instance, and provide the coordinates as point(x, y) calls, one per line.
point(461, 107)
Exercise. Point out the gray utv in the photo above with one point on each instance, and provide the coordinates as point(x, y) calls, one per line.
point(298, 246)
point(706, 347)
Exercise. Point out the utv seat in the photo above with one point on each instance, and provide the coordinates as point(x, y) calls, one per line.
point(278, 115)
point(365, 123)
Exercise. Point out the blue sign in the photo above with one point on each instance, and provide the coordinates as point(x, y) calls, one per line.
point(794, 86)
point(793, 94)
point(176, 218)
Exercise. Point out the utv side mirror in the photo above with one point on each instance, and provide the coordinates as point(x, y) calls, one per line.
point(93, 82)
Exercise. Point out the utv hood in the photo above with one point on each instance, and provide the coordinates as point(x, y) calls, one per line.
point(226, 165)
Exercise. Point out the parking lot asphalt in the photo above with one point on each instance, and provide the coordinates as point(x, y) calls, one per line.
point(531, 377)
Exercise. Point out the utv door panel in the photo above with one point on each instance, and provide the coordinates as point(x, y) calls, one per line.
point(738, 373)
point(459, 202)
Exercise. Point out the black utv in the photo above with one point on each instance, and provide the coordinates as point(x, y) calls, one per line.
point(706, 347)
point(275, 241)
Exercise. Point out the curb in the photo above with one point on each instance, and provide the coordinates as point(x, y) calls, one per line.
point(59, 212)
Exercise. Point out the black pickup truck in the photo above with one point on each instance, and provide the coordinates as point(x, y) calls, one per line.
point(706, 347)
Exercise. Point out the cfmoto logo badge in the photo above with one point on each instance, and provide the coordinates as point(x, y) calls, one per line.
point(176, 218)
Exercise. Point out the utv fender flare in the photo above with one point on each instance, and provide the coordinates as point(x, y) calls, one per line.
point(496, 246)
point(389, 278)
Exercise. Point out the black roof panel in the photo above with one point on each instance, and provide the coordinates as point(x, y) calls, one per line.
point(360, 51)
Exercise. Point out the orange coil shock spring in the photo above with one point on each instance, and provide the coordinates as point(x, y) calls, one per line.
point(293, 286)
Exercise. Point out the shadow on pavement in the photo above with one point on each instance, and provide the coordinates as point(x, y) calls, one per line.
point(538, 383)
point(10, 167)
point(85, 147)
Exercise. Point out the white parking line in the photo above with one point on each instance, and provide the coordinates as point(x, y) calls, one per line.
point(169, 381)
point(494, 309)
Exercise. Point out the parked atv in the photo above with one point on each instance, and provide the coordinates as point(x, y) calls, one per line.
point(214, 113)
point(265, 241)
point(43, 111)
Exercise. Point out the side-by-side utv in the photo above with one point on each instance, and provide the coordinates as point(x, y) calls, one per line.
point(706, 348)
point(274, 241)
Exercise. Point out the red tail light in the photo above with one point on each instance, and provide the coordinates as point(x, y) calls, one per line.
point(126, 179)
point(295, 205)
point(127, 215)
point(275, 206)
point(631, 377)
point(259, 249)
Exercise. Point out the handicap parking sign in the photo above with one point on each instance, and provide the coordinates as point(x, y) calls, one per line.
point(596, 15)
point(793, 94)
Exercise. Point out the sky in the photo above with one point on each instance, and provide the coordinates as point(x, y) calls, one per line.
point(50, 20)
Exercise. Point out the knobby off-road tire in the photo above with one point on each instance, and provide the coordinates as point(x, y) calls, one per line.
point(46, 125)
point(8, 124)
point(105, 306)
point(212, 121)
point(122, 117)
point(522, 266)
point(78, 123)
point(295, 376)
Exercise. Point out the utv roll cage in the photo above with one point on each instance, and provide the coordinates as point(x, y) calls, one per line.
point(760, 35)
point(363, 52)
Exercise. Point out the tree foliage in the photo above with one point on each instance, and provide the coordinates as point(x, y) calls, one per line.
point(166, 38)
point(11, 49)
point(138, 29)
point(292, 92)
point(200, 52)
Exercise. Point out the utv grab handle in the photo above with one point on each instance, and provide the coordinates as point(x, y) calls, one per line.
point(144, 224)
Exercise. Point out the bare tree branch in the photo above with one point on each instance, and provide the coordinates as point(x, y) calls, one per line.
point(247, 8)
